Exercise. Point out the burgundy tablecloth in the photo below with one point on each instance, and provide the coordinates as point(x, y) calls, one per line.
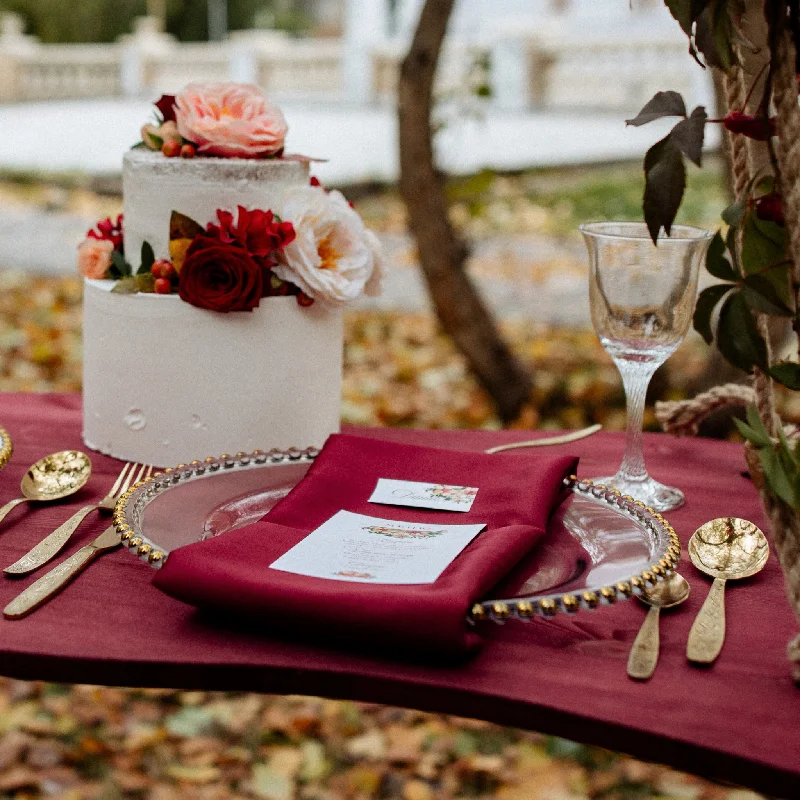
point(737, 720)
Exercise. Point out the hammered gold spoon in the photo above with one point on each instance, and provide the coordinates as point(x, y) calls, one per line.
point(51, 478)
point(644, 652)
point(727, 548)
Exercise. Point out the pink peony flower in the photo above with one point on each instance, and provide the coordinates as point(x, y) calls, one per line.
point(230, 119)
point(94, 257)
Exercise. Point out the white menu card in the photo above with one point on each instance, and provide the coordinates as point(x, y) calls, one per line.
point(355, 547)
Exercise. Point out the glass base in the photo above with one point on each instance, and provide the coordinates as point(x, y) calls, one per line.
point(650, 492)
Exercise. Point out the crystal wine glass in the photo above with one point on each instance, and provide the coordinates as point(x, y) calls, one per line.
point(642, 300)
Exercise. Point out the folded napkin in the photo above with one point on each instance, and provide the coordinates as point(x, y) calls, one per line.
point(230, 573)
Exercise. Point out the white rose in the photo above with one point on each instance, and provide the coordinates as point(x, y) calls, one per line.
point(333, 257)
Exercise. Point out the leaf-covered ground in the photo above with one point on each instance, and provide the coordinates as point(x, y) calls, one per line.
point(90, 742)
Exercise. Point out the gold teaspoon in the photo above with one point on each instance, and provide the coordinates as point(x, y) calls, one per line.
point(644, 652)
point(727, 548)
point(51, 478)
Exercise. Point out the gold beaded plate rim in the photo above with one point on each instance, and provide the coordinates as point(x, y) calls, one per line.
point(6, 447)
point(495, 610)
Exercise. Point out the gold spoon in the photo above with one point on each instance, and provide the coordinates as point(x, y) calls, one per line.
point(644, 652)
point(51, 478)
point(727, 548)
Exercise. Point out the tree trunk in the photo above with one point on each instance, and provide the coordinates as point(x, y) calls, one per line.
point(442, 254)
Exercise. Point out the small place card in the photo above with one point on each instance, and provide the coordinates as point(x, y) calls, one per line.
point(438, 496)
point(355, 547)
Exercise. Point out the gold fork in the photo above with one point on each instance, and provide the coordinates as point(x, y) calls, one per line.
point(49, 546)
point(57, 578)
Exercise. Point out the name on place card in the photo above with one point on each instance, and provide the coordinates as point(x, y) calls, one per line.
point(438, 496)
point(355, 547)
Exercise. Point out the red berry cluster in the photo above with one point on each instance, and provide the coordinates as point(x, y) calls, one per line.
point(165, 275)
point(173, 149)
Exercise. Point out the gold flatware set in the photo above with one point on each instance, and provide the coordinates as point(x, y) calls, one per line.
point(726, 548)
point(52, 543)
point(51, 478)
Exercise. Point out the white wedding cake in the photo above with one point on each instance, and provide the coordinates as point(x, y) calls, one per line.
point(214, 323)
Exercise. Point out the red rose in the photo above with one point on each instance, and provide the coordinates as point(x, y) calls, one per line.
point(166, 107)
point(258, 232)
point(219, 276)
point(749, 125)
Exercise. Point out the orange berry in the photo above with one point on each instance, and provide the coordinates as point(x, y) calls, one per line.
point(188, 151)
point(171, 149)
point(163, 285)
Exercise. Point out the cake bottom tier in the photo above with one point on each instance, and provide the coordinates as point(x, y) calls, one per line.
point(165, 383)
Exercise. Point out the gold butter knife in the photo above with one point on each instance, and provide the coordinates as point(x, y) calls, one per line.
point(54, 581)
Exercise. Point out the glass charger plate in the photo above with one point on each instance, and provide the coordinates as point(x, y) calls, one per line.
point(599, 546)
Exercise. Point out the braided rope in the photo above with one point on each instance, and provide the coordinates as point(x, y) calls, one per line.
point(735, 98)
point(785, 520)
point(683, 417)
point(788, 147)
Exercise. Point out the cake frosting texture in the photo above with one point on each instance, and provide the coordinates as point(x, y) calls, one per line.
point(167, 383)
point(154, 186)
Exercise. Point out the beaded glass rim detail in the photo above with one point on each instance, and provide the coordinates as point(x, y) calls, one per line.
point(129, 509)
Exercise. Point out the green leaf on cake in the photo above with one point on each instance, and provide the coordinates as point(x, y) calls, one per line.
point(132, 284)
point(183, 227)
point(182, 230)
point(146, 282)
point(119, 268)
point(148, 257)
point(126, 286)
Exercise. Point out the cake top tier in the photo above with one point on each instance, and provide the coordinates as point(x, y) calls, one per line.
point(283, 170)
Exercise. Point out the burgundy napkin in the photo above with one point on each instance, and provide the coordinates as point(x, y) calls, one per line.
point(231, 574)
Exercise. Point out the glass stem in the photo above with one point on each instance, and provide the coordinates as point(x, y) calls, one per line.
point(635, 378)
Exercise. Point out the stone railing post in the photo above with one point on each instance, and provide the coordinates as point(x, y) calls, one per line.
point(14, 45)
point(148, 42)
point(366, 28)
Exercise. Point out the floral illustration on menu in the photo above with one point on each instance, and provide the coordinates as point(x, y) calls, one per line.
point(454, 494)
point(402, 533)
point(315, 247)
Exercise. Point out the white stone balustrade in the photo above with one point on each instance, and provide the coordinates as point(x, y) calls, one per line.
point(541, 67)
point(148, 63)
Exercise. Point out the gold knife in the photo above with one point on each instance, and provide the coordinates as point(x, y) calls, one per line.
point(54, 581)
point(50, 545)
